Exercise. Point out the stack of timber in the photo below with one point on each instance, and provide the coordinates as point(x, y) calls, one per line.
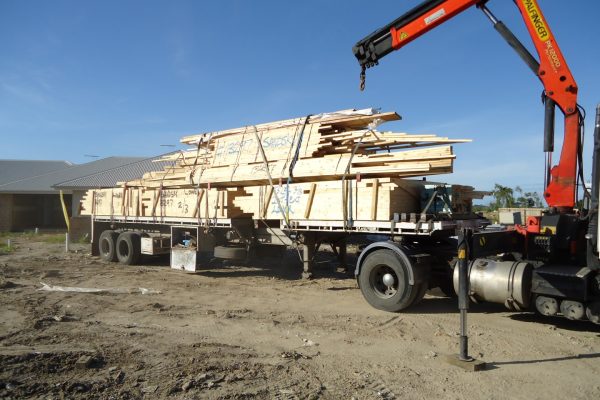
point(305, 149)
point(306, 168)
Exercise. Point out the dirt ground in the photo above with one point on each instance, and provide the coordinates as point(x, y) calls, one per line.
point(258, 331)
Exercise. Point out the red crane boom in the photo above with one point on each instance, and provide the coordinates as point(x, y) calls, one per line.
point(560, 88)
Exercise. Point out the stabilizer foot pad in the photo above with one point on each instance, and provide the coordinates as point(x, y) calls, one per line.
point(472, 365)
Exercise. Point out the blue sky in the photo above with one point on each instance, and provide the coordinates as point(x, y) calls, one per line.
point(125, 77)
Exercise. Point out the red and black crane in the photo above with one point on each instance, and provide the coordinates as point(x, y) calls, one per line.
point(560, 88)
point(550, 262)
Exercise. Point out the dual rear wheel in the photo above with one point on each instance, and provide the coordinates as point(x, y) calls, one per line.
point(124, 247)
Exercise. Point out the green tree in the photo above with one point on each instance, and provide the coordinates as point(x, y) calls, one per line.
point(506, 197)
point(533, 199)
point(503, 197)
point(527, 199)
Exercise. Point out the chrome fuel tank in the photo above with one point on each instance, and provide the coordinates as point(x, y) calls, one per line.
point(504, 282)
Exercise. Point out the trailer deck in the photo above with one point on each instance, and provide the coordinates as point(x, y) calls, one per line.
point(307, 233)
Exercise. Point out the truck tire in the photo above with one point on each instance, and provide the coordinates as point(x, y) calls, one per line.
point(237, 253)
point(384, 282)
point(107, 246)
point(422, 289)
point(128, 248)
point(447, 284)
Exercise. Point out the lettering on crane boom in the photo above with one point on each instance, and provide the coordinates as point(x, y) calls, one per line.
point(536, 19)
point(435, 16)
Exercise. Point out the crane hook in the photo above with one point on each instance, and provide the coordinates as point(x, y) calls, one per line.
point(363, 77)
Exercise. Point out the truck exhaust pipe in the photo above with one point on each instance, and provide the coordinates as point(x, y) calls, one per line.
point(593, 247)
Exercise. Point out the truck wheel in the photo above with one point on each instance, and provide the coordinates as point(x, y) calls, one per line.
point(422, 289)
point(230, 253)
point(383, 281)
point(448, 289)
point(107, 246)
point(447, 284)
point(128, 248)
point(592, 312)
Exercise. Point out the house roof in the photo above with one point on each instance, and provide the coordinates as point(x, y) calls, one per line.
point(110, 177)
point(44, 181)
point(15, 170)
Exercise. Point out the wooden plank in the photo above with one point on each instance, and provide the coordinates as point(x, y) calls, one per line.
point(374, 194)
point(222, 202)
point(265, 205)
point(156, 200)
point(198, 202)
point(206, 205)
point(311, 197)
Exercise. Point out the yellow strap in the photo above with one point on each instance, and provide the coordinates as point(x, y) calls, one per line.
point(65, 213)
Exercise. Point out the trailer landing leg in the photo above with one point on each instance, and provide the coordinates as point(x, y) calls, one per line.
point(463, 360)
point(342, 256)
point(339, 250)
point(308, 254)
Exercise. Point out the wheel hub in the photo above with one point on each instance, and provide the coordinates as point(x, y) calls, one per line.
point(388, 280)
point(384, 281)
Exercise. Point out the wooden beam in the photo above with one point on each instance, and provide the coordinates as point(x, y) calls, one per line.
point(267, 201)
point(156, 199)
point(374, 196)
point(198, 202)
point(311, 196)
point(222, 202)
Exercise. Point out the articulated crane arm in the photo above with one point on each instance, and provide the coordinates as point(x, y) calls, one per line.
point(560, 88)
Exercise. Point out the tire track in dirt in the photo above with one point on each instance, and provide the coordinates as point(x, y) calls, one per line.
point(374, 383)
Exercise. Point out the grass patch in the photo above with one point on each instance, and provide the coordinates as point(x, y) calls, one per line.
point(83, 239)
point(4, 249)
point(50, 238)
point(4, 236)
point(31, 236)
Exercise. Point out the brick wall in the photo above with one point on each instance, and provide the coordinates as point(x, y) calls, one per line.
point(80, 226)
point(6, 212)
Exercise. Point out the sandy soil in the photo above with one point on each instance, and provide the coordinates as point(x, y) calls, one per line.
point(257, 331)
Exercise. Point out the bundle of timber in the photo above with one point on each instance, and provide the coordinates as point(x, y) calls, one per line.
point(375, 199)
point(320, 147)
point(286, 167)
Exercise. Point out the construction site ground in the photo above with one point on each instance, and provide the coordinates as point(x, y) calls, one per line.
point(258, 331)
